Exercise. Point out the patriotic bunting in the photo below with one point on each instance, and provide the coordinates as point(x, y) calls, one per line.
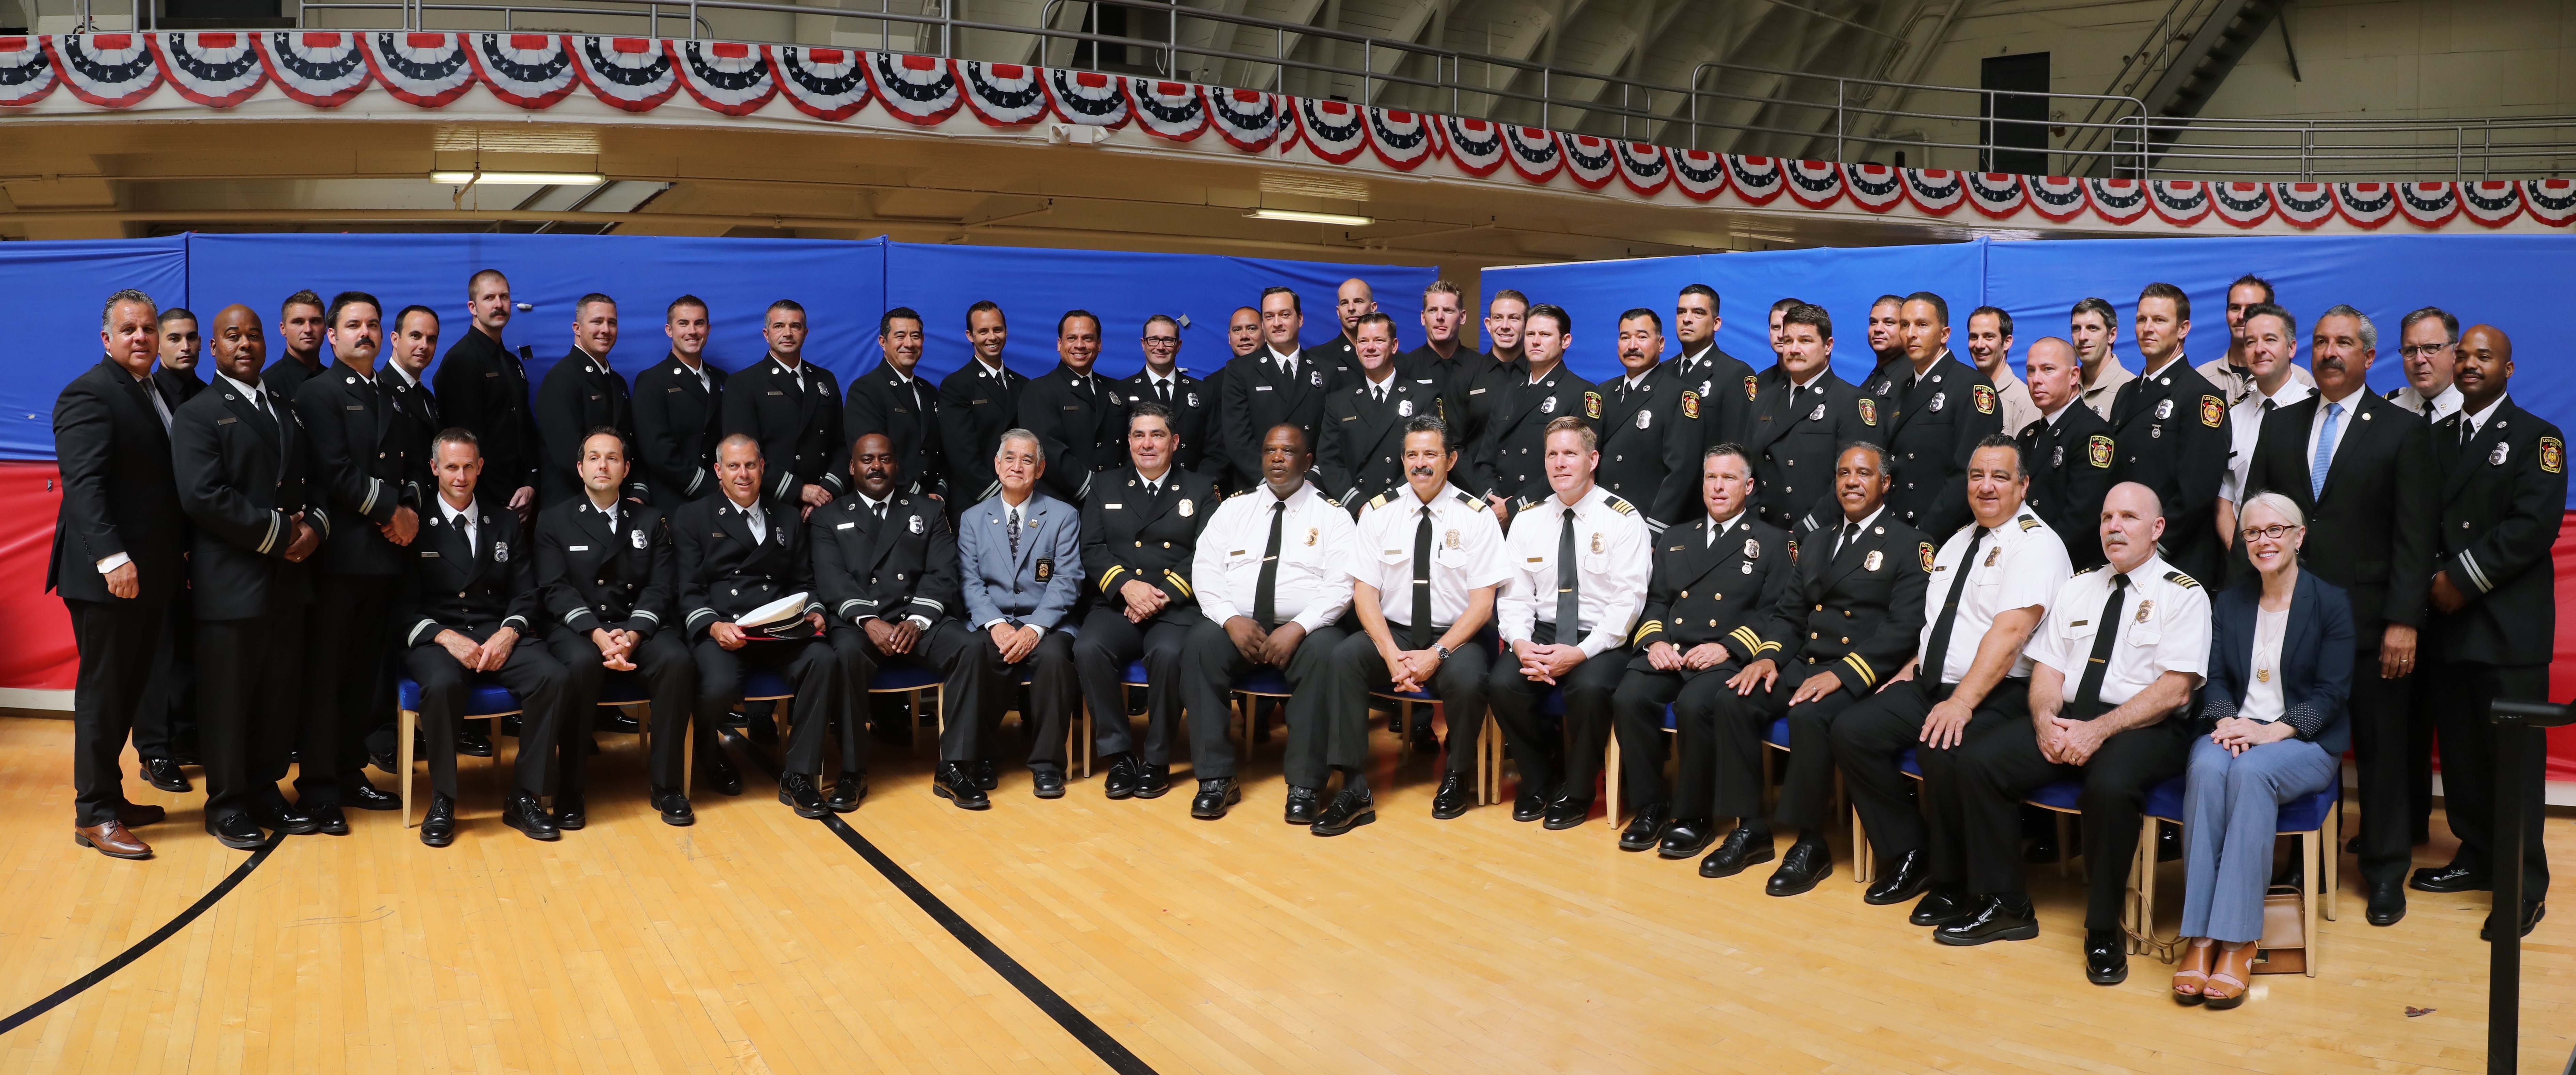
point(1534, 153)
point(633, 73)
point(830, 84)
point(726, 76)
point(2056, 198)
point(532, 71)
point(1088, 97)
point(1875, 187)
point(429, 70)
point(107, 70)
point(2181, 203)
point(1814, 184)
point(917, 89)
point(1643, 167)
point(2116, 201)
point(2427, 205)
point(2241, 204)
point(2366, 205)
point(1402, 140)
point(213, 68)
point(317, 67)
point(2492, 204)
point(2303, 204)
point(1003, 94)
point(1755, 179)
point(2550, 201)
point(1935, 191)
point(1475, 145)
point(1333, 130)
point(1995, 194)
point(1174, 110)
point(27, 75)
point(1589, 160)
point(1699, 174)
point(1247, 119)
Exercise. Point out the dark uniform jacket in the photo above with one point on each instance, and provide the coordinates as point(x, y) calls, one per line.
point(1082, 432)
point(1338, 358)
point(2070, 468)
point(1727, 593)
point(1725, 386)
point(1930, 427)
point(1444, 378)
point(976, 406)
point(1258, 396)
point(1509, 455)
point(483, 387)
point(880, 402)
point(1858, 614)
point(1216, 457)
point(241, 481)
point(2170, 434)
point(1794, 446)
point(677, 425)
point(2503, 496)
point(2372, 533)
point(580, 394)
point(362, 465)
point(799, 429)
point(1651, 442)
point(416, 420)
point(894, 569)
point(1194, 407)
point(287, 375)
point(724, 574)
point(592, 578)
point(119, 494)
point(1129, 536)
point(177, 386)
point(1362, 453)
point(473, 591)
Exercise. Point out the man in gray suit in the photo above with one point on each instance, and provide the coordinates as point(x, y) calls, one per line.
point(1020, 564)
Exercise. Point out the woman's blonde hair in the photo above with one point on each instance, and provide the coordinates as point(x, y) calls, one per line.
point(2284, 506)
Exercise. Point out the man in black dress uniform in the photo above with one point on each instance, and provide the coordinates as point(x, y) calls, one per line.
point(1509, 456)
point(483, 389)
point(582, 393)
point(1364, 423)
point(1803, 415)
point(467, 604)
point(1478, 392)
point(1279, 384)
point(1340, 356)
point(411, 345)
point(1653, 419)
point(976, 404)
point(1933, 408)
point(2068, 449)
point(1443, 364)
point(1724, 384)
point(1139, 535)
point(608, 577)
point(791, 408)
point(1192, 402)
point(1079, 416)
point(891, 400)
point(165, 730)
point(679, 411)
point(2504, 491)
point(240, 458)
point(2171, 434)
point(301, 325)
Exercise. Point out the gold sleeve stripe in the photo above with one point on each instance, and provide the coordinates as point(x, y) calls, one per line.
point(1109, 577)
point(1650, 627)
point(1867, 677)
point(1182, 583)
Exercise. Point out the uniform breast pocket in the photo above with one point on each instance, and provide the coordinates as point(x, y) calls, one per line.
point(1449, 557)
point(2080, 631)
point(2146, 635)
point(1392, 557)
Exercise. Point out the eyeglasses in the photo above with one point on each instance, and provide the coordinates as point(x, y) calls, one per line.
point(2276, 531)
point(2424, 350)
point(1162, 341)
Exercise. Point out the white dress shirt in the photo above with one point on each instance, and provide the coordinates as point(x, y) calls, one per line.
point(752, 517)
point(797, 371)
point(1466, 552)
point(2244, 426)
point(2164, 627)
point(2471, 422)
point(2020, 564)
point(1311, 588)
point(2445, 403)
point(2263, 698)
point(1614, 558)
point(2343, 425)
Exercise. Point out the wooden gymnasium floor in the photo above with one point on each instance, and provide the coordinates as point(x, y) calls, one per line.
point(760, 942)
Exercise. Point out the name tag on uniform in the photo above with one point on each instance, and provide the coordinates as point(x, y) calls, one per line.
point(1111, 507)
point(776, 392)
point(357, 406)
point(845, 526)
point(226, 421)
point(576, 548)
point(1261, 388)
point(670, 390)
point(426, 554)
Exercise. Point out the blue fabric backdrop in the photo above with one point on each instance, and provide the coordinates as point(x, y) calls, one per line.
point(59, 287)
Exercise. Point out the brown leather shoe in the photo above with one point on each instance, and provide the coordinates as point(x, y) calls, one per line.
point(137, 815)
point(111, 840)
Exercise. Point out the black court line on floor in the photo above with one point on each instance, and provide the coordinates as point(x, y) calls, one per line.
point(1047, 999)
point(231, 881)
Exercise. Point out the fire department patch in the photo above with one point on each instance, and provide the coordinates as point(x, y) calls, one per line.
point(1868, 412)
point(1592, 405)
point(2553, 455)
point(2212, 411)
point(1985, 398)
point(1927, 556)
point(1690, 404)
point(2097, 451)
point(1752, 385)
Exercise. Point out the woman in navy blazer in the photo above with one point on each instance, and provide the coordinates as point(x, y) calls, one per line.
point(2273, 730)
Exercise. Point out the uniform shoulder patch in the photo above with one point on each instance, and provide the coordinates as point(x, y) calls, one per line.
point(1470, 500)
point(1868, 412)
point(2088, 570)
point(1928, 552)
point(1378, 501)
point(1752, 386)
point(1616, 504)
point(2029, 524)
point(2553, 455)
point(1592, 405)
point(2179, 579)
point(1984, 395)
point(2212, 412)
point(1690, 404)
point(1322, 497)
point(2097, 450)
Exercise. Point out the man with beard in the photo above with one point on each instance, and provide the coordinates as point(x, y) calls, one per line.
point(301, 324)
point(792, 409)
point(2234, 371)
point(1364, 423)
point(892, 400)
point(1652, 417)
point(1990, 340)
point(1710, 374)
point(483, 389)
point(2068, 451)
point(582, 393)
point(976, 404)
point(679, 411)
point(1934, 409)
point(2171, 432)
point(1079, 416)
point(1164, 383)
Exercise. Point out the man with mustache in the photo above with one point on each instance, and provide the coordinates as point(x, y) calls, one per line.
point(1803, 416)
point(483, 388)
point(1653, 419)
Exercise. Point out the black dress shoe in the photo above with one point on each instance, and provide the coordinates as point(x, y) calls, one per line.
point(956, 783)
point(797, 790)
point(1152, 781)
point(675, 808)
point(763, 731)
point(986, 777)
point(384, 763)
point(719, 772)
point(2168, 849)
point(1807, 862)
point(165, 775)
point(510, 727)
point(569, 815)
point(1423, 740)
point(1942, 907)
point(2451, 878)
point(1742, 847)
point(848, 790)
point(329, 821)
point(1214, 796)
point(1902, 882)
point(1567, 812)
point(617, 719)
point(1047, 783)
point(2106, 957)
point(360, 795)
point(1530, 804)
point(2387, 904)
point(238, 832)
point(1454, 798)
point(1646, 829)
point(473, 743)
point(1350, 810)
point(439, 828)
point(285, 819)
point(524, 813)
point(1119, 782)
point(1996, 919)
point(2532, 912)
point(1686, 837)
point(1302, 805)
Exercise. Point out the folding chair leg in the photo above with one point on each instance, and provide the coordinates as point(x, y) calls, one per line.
point(1864, 865)
point(405, 727)
point(1611, 767)
point(2065, 852)
point(1489, 743)
point(2333, 854)
point(2308, 842)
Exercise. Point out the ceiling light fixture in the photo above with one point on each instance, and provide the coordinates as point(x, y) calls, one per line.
point(522, 179)
point(1303, 217)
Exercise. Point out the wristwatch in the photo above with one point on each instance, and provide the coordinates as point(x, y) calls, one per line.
point(1442, 651)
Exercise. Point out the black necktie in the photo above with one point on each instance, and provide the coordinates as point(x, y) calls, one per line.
point(881, 511)
point(1851, 531)
point(1569, 596)
point(2088, 693)
point(1265, 589)
point(1015, 533)
point(1936, 654)
point(1164, 390)
point(1422, 582)
point(913, 386)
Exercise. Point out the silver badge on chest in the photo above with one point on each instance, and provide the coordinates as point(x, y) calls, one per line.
point(916, 523)
point(2164, 409)
point(1938, 398)
point(2497, 457)
point(1818, 414)
point(1645, 419)
point(1404, 408)
point(500, 552)
point(1547, 406)
point(636, 537)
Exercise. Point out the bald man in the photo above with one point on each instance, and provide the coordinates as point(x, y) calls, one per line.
point(1340, 358)
point(2067, 449)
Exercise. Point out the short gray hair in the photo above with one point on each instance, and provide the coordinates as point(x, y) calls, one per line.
point(2368, 332)
point(1009, 435)
point(2286, 507)
point(107, 313)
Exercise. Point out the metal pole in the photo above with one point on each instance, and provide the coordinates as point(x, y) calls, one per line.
point(1368, 67)
point(1625, 107)
point(693, 20)
point(1546, 96)
point(2486, 161)
point(2459, 153)
point(1172, 56)
point(1840, 88)
point(2517, 724)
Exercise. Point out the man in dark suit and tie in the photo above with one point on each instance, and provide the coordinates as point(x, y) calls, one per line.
point(1080, 417)
point(1444, 363)
point(409, 347)
point(2361, 470)
point(1652, 421)
point(582, 392)
point(1139, 536)
point(1724, 384)
point(165, 731)
point(679, 411)
point(1279, 384)
point(891, 400)
point(792, 409)
point(240, 457)
point(2171, 433)
point(1019, 566)
point(1507, 461)
point(1363, 447)
point(976, 404)
point(117, 558)
point(2068, 449)
point(1933, 408)
point(1803, 415)
point(301, 325)
point(483, 388)
point(1193, 402)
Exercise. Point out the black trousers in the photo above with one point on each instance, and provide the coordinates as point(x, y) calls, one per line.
point(1209, 666)
point(253, 679)
point(1107, 645)
point(984, 685)
point(1719, 773)
point(941, 649)
point(2381, 742)
point(670, 680)
point(166, 727)
point(535, 678)
point(805, 663)
point(1810, 776)
point(349, 626)
point(116, 640)
point(2420, 710)
point(1870, 743)
point(2471, 786)
point(1340, 739)
point(2002, 766)
point(1565, 766)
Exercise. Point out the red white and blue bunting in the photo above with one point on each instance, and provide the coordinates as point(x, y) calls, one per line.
point(536, 71)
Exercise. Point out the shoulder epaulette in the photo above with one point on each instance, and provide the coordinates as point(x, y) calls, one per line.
point(1246, 492)
point(1469, 499)
point(2088, 570)
point(2028, 523)
point(1618, 505)
point(1328, 500)
point(1379, 501)
point(2179, 579)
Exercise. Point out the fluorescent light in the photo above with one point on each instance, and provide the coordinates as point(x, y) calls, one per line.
point(1303, 217)
point(523, 179)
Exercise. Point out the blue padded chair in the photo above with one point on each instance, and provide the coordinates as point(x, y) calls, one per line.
point(1262, 682)
point(482, 699)
point(2316, 819)
point(909, 680)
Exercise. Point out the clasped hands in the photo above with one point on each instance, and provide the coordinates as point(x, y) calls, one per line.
point(491, 654)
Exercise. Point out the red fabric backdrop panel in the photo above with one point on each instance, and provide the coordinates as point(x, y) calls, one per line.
point(2562, 661)
point(39, 655)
